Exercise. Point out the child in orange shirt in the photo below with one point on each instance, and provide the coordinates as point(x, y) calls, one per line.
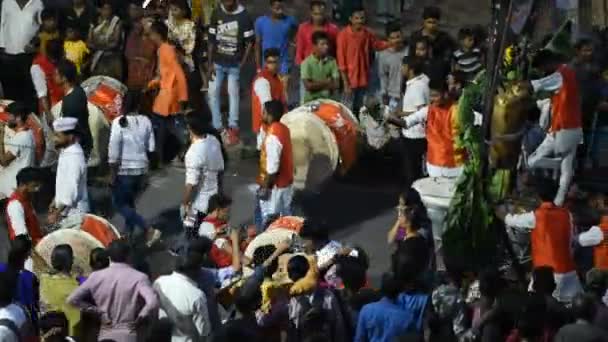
point(48, 31)
point(355, 45)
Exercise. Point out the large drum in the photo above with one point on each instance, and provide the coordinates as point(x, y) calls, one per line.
point(315, 149)
point(105, 96)
point(83, 233)
point(436, 194)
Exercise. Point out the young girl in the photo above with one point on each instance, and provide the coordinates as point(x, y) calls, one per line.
point(105, 42)
point(182, 31)
point(48, 31)
point(131, 139)
point(76, 50)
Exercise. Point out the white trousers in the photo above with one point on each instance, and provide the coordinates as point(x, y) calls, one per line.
point(279, 202)
point(562, 145)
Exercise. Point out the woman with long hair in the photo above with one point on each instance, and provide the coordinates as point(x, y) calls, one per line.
point(131, 139)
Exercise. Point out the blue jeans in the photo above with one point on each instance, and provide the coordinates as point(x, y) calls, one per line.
point(215, 88)
point(123, 196)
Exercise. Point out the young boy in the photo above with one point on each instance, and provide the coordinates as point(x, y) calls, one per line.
point(468, 58)
point(355, 45)
point(319, 71)
point(389, 66)
point(275, 31)
point(48, 31)
point(76, 50)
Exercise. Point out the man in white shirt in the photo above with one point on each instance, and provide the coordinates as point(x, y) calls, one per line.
point(71, 194)
point(17, 147)
point(19, 23)
point(182, 302)
point(204, 163)
point(414, 138)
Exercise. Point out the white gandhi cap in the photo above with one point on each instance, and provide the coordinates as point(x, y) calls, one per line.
point(65, 124)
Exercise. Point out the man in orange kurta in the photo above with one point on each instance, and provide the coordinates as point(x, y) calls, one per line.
point(172, 97)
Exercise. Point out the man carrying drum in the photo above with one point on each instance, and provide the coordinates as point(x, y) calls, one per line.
point(71, 196)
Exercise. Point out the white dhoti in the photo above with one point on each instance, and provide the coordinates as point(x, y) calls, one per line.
point(278, 203)
point(561, 144)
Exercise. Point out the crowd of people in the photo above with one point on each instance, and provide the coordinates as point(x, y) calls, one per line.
point(174, 57)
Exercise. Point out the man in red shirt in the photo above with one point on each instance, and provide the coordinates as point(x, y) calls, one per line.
point(318, 22)
point(355, 45)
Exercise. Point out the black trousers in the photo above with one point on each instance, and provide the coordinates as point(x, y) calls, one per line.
point(16, 80)
point(412, 151)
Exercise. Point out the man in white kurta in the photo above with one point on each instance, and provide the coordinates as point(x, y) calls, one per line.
point(71, 194)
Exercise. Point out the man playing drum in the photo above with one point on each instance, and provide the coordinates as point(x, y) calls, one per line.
point(71, 195)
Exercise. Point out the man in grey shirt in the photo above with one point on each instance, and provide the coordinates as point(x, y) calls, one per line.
point(389, 66)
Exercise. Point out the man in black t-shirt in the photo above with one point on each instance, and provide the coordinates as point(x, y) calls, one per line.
point(74, 102)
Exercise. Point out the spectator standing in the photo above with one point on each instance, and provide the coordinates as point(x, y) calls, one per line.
point(436, 69)
point(267, 86)
point(416, 96)
point(584, 310)
point(182, 32)
point(172, 94)
point(140, 51)
point(131, 140)
point(440, 42)
point(18, 26)
point(105, 42)
point(390, 66)
point(204, 167)
point(17, 151)
point(183, 302)
point(319, 71)
point(71, 194)
point(356, 44)
point(20, 216)
point(468, 58)
point(44, 66)
point(117, 292)
point(383, 320)
point(48, 31)
point(449, 305)
point(76, 49)
point(275, 175)
point(277, 31)
point(56, 286)
point(82, 14)
point(304, 37)
point(75, 102)
point(231, 38)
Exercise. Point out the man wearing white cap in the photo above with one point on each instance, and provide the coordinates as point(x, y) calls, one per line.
point(71, 196)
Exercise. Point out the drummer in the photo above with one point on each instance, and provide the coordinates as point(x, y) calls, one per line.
point(20, 214)
point(71, 195)
point(275, 176)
